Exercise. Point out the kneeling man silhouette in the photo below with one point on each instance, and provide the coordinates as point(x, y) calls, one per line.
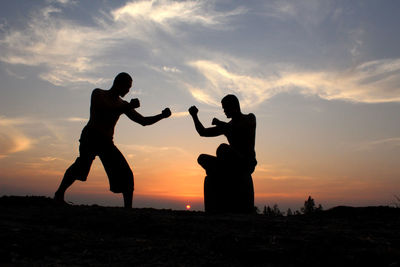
point(106, 107)
point(228, 186)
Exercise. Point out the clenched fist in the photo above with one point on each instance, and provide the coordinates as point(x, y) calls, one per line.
point(215, 121)
point(135, 103)
point(166, 113)
point(193, 111)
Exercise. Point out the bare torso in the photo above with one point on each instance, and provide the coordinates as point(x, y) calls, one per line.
point(241, 135)
point(105, 110)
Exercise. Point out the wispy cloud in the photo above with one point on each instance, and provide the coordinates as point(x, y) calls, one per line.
point(77, 119)
point(7, 122)
point(12, 139)
point(166, 13)
point(171, 69)
point(13, 74)
point(278, 173)
point(388, 142)
point(180, 114)
point(220, 80)
point(280, 9)
point(370, 82)
point(308, 13)
point(19, 134)
point(69, 52)
point(63, 2)
point(47, 159)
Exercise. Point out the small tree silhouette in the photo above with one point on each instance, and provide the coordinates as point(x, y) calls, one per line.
point(309, 206)
point(289, 212)
point(265, 210)
point(272, 212)
point(276, 211)
point(397, 203)
point(268, 211)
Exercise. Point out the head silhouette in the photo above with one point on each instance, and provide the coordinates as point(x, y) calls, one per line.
point(231, 106)
point(122, 83)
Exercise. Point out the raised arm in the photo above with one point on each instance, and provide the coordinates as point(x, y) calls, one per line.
point(206, 132)
point(149, 120)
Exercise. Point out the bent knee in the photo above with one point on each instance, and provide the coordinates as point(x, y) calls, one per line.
point(223, 150)
point(202, 159)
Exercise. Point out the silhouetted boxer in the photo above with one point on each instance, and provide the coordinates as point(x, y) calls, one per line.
point(106, 107)
point(228, 180)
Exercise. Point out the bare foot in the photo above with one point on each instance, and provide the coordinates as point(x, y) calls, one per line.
point(59, 198)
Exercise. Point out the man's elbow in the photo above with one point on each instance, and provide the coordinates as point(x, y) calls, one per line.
point(145, 123)
point(141, 122)
point(202, 133)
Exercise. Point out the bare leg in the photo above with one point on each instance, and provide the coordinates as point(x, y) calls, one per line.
point(119, 173)
point(78, 170)
point(128, 195)
point(66, 182)
point(208, 162)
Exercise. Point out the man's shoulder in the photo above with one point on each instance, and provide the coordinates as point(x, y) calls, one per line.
point(98, 94)
point(251, 116)
point(98, 91)
point(251, 119)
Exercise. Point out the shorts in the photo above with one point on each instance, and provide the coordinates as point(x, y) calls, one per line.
point(119, 173)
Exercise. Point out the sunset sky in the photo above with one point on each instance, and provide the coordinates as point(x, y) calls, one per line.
point(322, 78)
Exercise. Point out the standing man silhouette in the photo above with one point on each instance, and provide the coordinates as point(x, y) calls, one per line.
point(229, 172)
point(106, 107)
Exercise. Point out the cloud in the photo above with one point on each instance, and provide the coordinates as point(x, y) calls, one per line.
point(280, 9)
point(166, 13)
point(171, 69)
point(278, 173)
point(47, 159)
point(356, 38)
point(10, 122)
point(71, 53)
point(63, 2)
point(13, 74)
point(12, 139)
point(203, 96)
point(220, 80)
point(388, 142)
point(64, 49)
point(370, 82)
point(316, 18)
point(19, 134)
point(77, 119)
point(180, 114)
point(308, 13)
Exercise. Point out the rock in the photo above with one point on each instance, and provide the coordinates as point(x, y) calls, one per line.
point(229, 193)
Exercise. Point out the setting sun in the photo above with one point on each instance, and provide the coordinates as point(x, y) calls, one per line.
point(188, 207)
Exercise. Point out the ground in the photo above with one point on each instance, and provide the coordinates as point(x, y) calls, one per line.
point(36, 231)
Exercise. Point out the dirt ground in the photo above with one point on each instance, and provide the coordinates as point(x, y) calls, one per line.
point(36, 231)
